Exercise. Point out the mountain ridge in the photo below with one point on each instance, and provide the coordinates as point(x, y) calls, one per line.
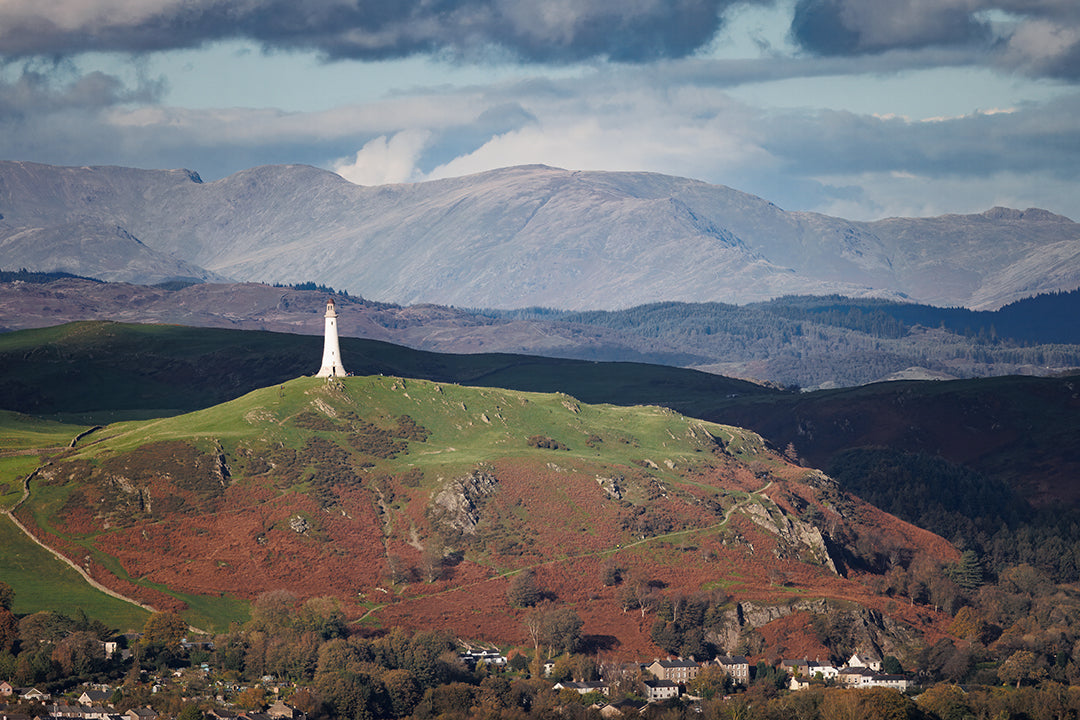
point(537, 236)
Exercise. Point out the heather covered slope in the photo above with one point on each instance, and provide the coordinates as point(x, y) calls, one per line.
point(518, 237)
point(418, 503)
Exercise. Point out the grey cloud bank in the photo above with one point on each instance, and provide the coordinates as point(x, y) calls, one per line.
point(533, 31)
point(1039, 38)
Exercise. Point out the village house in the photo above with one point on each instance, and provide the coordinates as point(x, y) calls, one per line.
point(658, 690)
point(143, 713)
point(677, 671)
point(622, 708)
point(6, 689)
point(251, 715)
point(859, 660)
point(809, 669)
point(582, 687)
point(897, 682)
point(281, 711)
point(860, 672)
point(471, 656)
point(737, 667)
point(94, 697)
point(202, 645)
point(862, 677)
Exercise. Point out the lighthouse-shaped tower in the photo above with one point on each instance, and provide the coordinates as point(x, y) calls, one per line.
point(331, 354)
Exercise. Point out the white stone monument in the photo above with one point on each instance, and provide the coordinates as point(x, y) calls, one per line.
point(331, 354)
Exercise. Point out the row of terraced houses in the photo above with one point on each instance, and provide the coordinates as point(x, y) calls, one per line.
point(672, 675)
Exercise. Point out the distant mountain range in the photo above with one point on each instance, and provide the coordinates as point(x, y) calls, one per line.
point(515, 238)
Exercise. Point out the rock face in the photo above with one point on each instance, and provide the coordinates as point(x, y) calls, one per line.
point(863, 628)
point(458, 505)
point(801, 538)
point(516, 237)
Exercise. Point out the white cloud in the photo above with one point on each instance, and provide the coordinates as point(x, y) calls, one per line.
point(384, 161)
point(1041, 44)
point(690, 131)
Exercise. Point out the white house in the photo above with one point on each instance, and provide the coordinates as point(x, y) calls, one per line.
point(865, 661)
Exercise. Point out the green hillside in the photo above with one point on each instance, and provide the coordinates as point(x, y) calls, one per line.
point(42, 582)
point(459, 427)
point(348, 487)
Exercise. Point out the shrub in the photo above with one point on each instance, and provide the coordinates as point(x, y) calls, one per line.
point(546, 443)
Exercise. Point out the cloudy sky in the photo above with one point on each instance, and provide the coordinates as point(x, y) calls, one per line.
point(859, 108)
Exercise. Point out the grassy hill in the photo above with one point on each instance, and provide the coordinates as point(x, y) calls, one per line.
point(960, 458)
point(417, 503)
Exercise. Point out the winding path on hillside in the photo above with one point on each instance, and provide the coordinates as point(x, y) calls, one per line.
point(10, 512)
point(596, 553)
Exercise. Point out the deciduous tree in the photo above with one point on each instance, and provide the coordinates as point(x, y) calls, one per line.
point(80, 653)
point(946, 701)
point(9, 630)
point(165, 629)
point(7, 596)
point(1020, 666)
point(524, 591)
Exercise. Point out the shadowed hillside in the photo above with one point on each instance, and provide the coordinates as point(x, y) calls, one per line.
point(92, 367)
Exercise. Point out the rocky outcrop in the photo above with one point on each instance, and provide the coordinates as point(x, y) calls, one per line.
point(457, 506)
point(796, 537)
point(611, 485)
point(851, 626)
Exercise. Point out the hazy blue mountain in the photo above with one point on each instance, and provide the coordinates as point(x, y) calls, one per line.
point(515, 237)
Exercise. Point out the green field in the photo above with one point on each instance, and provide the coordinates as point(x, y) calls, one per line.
point(41, 582)
point(22, 432)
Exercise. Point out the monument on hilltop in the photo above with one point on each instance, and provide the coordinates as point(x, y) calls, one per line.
point(331, 354)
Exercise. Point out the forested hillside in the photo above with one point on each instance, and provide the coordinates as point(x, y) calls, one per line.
point(979, 514)
point(815, 341)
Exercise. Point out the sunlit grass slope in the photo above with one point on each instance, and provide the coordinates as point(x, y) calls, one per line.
point(466, 425)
